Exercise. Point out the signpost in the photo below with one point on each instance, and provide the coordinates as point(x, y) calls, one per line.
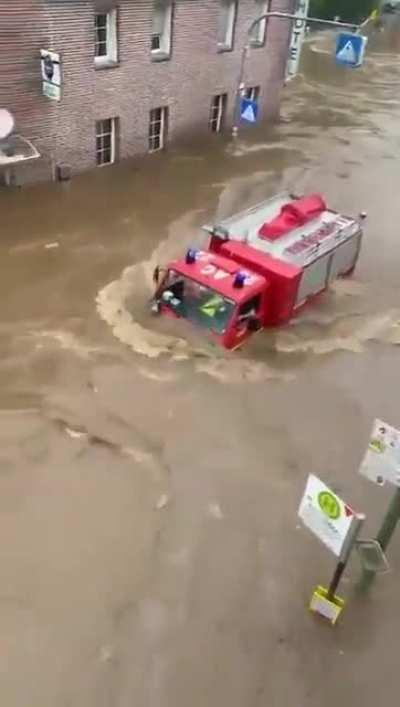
point(350, 49)
point(300, 20)
point(51, 74)
point(381, 464)
point(337, 526)
point(296, 38)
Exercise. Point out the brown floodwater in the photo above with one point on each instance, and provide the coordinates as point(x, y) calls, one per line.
point(150, 552)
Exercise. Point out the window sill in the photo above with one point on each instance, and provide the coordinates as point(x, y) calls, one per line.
point(257, 43)
point(160, 56)
point(108, 64)
point(222, 48)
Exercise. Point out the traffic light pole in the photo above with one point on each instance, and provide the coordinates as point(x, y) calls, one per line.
point(281, 16)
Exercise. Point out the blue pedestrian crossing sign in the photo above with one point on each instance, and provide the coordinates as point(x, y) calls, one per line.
point(248, 110)
point(350, 49)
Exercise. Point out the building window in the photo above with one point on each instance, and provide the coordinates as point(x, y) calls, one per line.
point(226, 24)
point(158, 128)
point(251, 307)
point(161, 29)
point(259, 31)
point(217, 112)
point(252, 93)
point(105, 38)
point(105, 141)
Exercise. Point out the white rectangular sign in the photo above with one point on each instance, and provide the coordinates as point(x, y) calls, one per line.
point(297, 37)
point(325, 514)
point(382, 459)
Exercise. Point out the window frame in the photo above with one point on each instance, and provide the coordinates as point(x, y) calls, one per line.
point(244, 310)
point(163, 131)
point(110, 58)
point(259, 34)
point(100, 135)
point(229, 40)
point(252, 93)
point(163, 52)
point(219, 103)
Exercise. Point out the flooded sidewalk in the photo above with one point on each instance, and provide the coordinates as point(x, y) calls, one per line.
point(150, 550)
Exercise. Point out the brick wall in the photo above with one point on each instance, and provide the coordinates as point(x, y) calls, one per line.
point(65, 132)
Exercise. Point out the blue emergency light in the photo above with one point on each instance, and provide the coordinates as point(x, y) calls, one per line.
point(191, 256)
point(240, 279)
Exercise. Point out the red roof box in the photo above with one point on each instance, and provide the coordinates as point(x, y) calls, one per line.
point(293, 215)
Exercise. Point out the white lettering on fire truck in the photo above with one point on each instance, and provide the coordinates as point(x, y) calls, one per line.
point(213, 271)
point(208, 270)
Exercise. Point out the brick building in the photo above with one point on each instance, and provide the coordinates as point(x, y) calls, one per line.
point(135, 74)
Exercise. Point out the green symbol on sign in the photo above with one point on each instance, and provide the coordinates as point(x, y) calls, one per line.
point(329, 505)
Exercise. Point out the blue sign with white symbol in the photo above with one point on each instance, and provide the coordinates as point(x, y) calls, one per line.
point(248, 110)
point(350, 49)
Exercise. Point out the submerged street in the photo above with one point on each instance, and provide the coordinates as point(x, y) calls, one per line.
point(150, 550)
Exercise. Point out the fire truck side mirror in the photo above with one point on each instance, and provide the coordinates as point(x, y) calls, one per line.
point(156, 275)
point(253, 324)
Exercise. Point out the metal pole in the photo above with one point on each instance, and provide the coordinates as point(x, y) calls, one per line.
point(384, 537)
point(345, 554)
point(240, 84)
point(340, 568)
point(246, 48)
point(312, 20)
point(236, 117)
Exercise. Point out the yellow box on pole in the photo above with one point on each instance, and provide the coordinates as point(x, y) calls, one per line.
point(328, 608)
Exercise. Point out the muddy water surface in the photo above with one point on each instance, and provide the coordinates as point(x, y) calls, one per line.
point(150, 552)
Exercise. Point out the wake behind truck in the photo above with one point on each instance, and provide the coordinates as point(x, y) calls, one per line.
point(260, 267)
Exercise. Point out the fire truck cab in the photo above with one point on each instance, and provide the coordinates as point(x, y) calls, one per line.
point(260, 267)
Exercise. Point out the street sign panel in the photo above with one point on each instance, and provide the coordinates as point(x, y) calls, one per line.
point(350, 49)
point(326, 515)
point(51, 74)
point(382, 459)
point(248, 110)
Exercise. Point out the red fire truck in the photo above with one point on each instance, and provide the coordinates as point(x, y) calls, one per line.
point(260, 267)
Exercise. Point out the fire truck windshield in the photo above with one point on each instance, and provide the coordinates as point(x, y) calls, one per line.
point(201, 305)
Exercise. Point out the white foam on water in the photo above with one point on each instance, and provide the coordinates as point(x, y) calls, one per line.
point(393, 335)
point(66, 340)
point(241, 370)
point(158, 376)
point(242, 149)
point(112, 299)
point(111, 307)
point(75, 434)
point(378, 327)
